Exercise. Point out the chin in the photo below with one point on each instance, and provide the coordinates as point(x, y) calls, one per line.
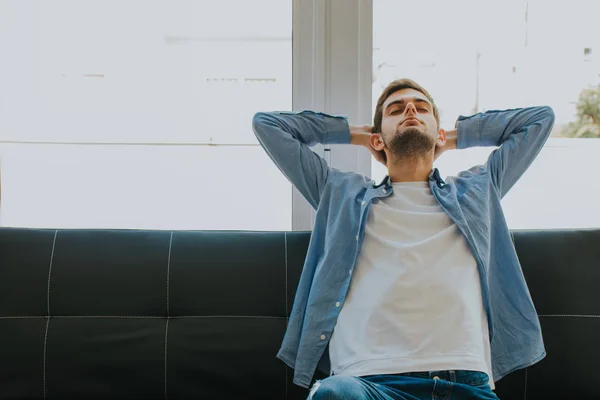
point(410, 142)
point(411, 130)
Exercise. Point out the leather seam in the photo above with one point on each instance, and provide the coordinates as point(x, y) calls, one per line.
point(48, 304)
point(138, 316)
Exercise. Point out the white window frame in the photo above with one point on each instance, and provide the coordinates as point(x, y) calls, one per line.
point(332, 53)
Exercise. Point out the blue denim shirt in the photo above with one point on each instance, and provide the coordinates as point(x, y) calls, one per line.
point(471, 199)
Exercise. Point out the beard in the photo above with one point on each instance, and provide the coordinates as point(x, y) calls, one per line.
point(410, 142)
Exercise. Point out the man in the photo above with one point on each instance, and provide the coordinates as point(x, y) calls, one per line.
point(411, 287)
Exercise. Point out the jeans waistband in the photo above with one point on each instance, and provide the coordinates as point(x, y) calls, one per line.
point(459, 376)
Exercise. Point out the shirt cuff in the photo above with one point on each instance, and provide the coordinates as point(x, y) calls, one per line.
point(337, 130)
point(468, 131)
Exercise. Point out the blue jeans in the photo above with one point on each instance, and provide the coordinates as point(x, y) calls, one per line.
point(436, 385)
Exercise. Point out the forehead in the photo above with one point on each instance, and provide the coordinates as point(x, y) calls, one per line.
point(404, 95)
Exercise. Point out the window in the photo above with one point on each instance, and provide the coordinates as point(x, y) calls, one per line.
point(137, 114)
point(474, 56)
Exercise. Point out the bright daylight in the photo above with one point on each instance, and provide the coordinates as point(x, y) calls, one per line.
point(299, 199)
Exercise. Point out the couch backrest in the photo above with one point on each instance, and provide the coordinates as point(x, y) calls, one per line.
point(196, 314)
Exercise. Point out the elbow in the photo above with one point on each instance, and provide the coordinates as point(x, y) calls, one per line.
point(263, 121)
point(549, 117)
point(257, 121)
point(260, 124)
point(544, 118)
point(548, 113)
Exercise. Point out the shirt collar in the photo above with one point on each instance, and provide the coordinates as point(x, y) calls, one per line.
point(433, 176)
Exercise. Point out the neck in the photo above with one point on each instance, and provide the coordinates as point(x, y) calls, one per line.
point(412, 169)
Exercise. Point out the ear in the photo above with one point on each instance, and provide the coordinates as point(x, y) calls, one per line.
point(376, 141)
point(441, 140)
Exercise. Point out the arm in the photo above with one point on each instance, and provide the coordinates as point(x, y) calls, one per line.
point(521, 133)
point(287, 137)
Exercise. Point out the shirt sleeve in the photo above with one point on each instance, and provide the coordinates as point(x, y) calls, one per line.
point(520, 134)
point(287, 137)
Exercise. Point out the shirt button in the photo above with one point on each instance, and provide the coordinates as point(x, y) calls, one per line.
point(384, 191)
point(350, 272)
point(337, 304)
point(356, 237)
point(364, 202)
point(322, 337)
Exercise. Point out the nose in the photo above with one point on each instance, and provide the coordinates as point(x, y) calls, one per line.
point(410, 109)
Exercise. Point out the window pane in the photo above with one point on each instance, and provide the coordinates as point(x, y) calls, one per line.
point(143, 187)
point(94, 95)
point(499, 55)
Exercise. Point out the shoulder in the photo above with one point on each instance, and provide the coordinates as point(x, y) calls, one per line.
point(474, 179)
point(349, 180)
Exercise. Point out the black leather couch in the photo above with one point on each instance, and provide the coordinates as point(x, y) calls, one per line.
point(193, 314)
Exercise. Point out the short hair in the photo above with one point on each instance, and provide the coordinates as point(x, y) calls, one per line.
point(393, 87)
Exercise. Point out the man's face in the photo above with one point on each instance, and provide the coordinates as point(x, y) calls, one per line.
point(408, 126)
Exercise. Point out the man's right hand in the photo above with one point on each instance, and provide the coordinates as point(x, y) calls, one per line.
point(361, 135)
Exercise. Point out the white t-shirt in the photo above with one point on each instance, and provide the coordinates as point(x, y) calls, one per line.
point(414, 302)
